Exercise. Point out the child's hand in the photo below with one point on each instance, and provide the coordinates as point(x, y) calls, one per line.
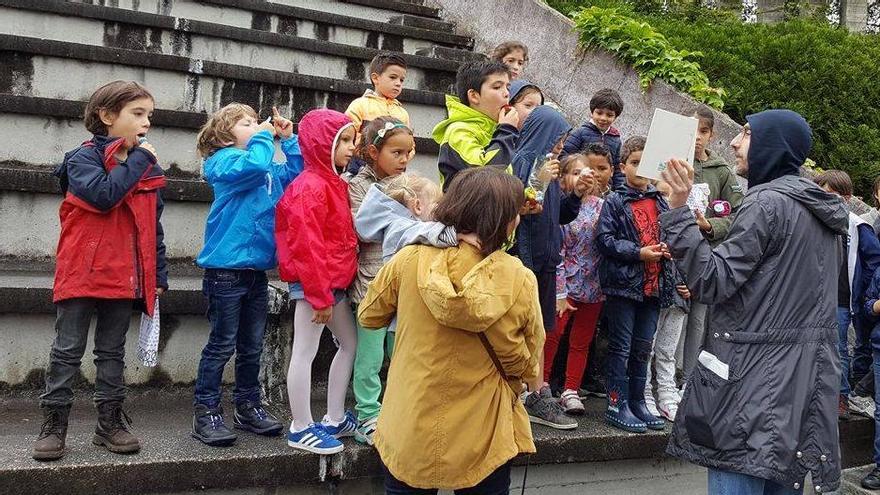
point(283, 127)
point(680, 177)
point(652, 253)
point(585, 185)
point(531, 208)
point(666, 252)
point(702, 223)
point(683, 291)
point(267, 126)
point(322, 316)
point(470, 238)
point(509, 116)
point(876, 307)
point(563, 306)
point(550, 171)
point(149, 148)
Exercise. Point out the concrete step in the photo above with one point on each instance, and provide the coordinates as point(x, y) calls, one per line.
point(415, 9)
point(368, 10)
point(324, 21)
point(173, 132)
point(105, 26)
point(851, 480)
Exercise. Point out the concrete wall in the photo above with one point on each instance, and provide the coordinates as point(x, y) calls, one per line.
point(568, 75)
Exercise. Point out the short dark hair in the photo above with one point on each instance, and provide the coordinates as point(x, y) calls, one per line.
point(370, 133)
point(472, 75)
point(111, 97)
point(607, 99)
point(704, 113)
point(599, 149)
point(501, 51)
point(630, 146)
point(384, 60)
point(836, 180)
point(482, 201)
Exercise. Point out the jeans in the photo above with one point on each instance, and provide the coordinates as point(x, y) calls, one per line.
point(844, 318)
point(727, 483)
point(876, 398)
point(74, 316)
point(631, 328)
point(497, 483)
point(238, 303)
point(862, 354)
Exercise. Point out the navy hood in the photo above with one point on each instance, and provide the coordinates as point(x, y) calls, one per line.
point(780, 143)
point(543, 128)
point(520, 84)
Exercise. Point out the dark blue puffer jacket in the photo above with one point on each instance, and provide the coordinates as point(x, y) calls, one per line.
point(588, 133)
point(539, 237)
point(621, 271)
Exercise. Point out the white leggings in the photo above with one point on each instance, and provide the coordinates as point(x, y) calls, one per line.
point(306, 338)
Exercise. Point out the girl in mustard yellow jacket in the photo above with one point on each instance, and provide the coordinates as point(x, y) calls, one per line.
point(469, 332)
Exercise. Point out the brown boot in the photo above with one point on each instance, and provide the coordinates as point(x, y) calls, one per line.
point(112, 431)
point(50, 444)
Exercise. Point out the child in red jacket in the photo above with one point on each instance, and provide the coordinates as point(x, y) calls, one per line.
point(110, 260)
point(317, 254)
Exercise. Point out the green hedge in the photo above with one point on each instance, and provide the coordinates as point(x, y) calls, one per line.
point(829, 75)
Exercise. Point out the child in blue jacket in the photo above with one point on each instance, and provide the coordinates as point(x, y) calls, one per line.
point(605, 108)
point(239, 248)
point(871, 309)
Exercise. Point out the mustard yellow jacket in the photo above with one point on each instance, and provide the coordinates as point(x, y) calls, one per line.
point(373, 105)
point(449, 418)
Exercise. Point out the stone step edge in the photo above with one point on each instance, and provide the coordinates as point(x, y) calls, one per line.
point(221, 31)
point(448, 38)
point(198, 67)
point(398, 6)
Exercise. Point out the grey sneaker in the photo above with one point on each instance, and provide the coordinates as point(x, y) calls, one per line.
point(543, 409)
point(862, 405)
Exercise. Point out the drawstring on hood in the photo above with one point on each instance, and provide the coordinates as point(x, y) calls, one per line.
point(780, 143)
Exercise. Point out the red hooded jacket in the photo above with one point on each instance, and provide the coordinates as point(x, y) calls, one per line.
point(111, 244)
point(314, 231)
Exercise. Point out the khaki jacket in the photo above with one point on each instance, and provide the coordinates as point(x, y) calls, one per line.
point(449, 418)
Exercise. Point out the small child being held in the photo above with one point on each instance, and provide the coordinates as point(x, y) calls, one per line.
point(317, 254)
point(387, 73)
point(637, 280)
point(513, 54)
point(605, 108)
point(239, 248)
point(482, 127)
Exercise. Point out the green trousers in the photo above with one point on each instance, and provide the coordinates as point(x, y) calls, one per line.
point(372, 347)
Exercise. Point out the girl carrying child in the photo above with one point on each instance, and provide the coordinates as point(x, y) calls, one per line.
point(578, 294)
point(386, 147)
point(317, 254)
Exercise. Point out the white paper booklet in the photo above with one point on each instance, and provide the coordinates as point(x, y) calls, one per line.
point(671, 136)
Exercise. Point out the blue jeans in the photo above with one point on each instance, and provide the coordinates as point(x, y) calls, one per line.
point(844, 318)
point(862, 354)
point(497, 483)
point(727, 483)
point(631, 328)
point(238, 303)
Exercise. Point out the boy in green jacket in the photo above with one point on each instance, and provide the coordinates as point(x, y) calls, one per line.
point(481, 127)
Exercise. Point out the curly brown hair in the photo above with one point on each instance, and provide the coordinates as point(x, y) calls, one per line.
point(217, 131)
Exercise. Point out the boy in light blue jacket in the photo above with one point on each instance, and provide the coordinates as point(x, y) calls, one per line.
point(239, 248)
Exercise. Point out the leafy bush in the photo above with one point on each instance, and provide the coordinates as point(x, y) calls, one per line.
point(637, 44)
point(830, 76)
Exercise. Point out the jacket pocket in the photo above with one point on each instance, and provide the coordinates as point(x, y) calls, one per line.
point(710, 408)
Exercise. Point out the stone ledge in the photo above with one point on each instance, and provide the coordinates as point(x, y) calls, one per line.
point(175, 63)
point(399, 6)
point(56, 108)
point(446, 38)
point(189, 26)
point(422, 22)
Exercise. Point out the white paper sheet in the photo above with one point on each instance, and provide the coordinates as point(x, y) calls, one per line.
point(671, 136)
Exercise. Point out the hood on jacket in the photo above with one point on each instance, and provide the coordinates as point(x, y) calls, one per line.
point(780, 143)
point(825, 206)
point(459, 112)
point(520, 84)
point(469, 299)
point(713, 161)
point(543, 128)
point(319, 131)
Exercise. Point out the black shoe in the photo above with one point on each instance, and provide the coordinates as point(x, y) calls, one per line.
point(872, 480)
point(208, 426)
point(593, 388)
point(250, 416)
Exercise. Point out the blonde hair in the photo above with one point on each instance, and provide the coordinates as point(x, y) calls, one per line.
point(408, 187)
point(217, 131)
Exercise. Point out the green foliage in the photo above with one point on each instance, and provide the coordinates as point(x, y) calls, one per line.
point(648, 51)
point(828, 75)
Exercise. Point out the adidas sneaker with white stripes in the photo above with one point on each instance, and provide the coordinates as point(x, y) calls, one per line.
point(314, 439)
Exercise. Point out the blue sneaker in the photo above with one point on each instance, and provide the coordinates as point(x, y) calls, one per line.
point(314, 439)
point(344, 429)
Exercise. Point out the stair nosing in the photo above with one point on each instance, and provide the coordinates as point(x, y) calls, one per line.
point(214, 30)
point(432, 13)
